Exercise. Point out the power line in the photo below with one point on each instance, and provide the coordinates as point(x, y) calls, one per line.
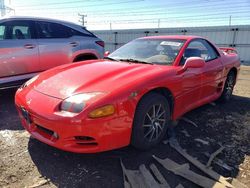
point(104, 4)
point(190, 5)
point(164, 18)
point(153, 12)
point(176, 18)
point(157, 12)
point(61, 3)
point(201, 20)
point(169, 16)
point(168, 13)
point(190, 21)
point(70, 2)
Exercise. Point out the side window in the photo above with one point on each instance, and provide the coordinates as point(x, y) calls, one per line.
point(21, 32)
point(16, 30)
point(52, 30)
point(212, 53)
point(2, 32)
point(199, 48)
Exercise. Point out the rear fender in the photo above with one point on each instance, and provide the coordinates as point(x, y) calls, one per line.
point(87, 52)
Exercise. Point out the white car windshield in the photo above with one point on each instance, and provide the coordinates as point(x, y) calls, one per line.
point(152, 51)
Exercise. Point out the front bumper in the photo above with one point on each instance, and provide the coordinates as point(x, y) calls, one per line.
point(75, 134)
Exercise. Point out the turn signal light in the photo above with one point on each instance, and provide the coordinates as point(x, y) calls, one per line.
point(102, 111)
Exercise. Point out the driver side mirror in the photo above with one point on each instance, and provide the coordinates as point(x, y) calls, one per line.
point(106, 54)
point(192, 62)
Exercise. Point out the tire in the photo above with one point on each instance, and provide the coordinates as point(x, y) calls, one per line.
point(148, 130)
point(228, 87)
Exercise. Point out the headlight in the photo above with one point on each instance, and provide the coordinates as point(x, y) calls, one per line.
point(76, 103)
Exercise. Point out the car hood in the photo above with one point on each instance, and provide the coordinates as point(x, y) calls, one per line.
point(94, 76)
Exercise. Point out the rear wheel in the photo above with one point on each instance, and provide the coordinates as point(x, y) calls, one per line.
point(151, 121)
point(228, 87)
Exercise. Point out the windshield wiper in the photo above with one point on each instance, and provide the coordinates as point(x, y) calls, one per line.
point(109, 58)
point(135, 61)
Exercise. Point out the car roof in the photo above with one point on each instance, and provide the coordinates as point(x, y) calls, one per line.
point(35, 18)
point(66, 23)
point(180, 37)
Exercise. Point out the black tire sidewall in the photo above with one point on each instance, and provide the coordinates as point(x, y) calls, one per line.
point(224, 97)
point(137, 138)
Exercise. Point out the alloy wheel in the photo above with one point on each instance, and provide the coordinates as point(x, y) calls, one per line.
point(154, 122)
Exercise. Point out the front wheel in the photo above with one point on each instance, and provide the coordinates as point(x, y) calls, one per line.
point(228, 87)
point(151, 121)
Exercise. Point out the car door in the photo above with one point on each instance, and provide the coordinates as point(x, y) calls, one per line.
point(206, 80)
point(55, 45)
point(191, 81)
point(18, 48)
point(212, 72)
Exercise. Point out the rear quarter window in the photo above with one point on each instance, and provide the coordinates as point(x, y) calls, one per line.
point(82, 32)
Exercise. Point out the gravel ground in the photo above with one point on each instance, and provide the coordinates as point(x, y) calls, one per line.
point(26, 162)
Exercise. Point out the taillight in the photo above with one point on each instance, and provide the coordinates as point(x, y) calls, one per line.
point(101, 43)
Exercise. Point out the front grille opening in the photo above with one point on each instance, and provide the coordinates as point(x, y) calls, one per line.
point(45, 130)
point(47, 133)
point(85, 140)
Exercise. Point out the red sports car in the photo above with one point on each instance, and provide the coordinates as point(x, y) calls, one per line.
point(129, 97)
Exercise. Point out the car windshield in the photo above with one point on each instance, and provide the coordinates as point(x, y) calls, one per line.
point(152, 51)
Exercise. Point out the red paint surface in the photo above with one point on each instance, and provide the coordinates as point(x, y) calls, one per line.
point(116, 80)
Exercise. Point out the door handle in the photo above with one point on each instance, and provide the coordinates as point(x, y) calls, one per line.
point(29, 46)
point(74, 44)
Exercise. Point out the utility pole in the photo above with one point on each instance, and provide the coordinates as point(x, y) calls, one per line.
point(4, 10)
point(230, 20)
point(82, 19)
point(110, 26)
point(159, 21)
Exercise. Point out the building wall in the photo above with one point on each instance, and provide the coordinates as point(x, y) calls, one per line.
point(223, 36)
